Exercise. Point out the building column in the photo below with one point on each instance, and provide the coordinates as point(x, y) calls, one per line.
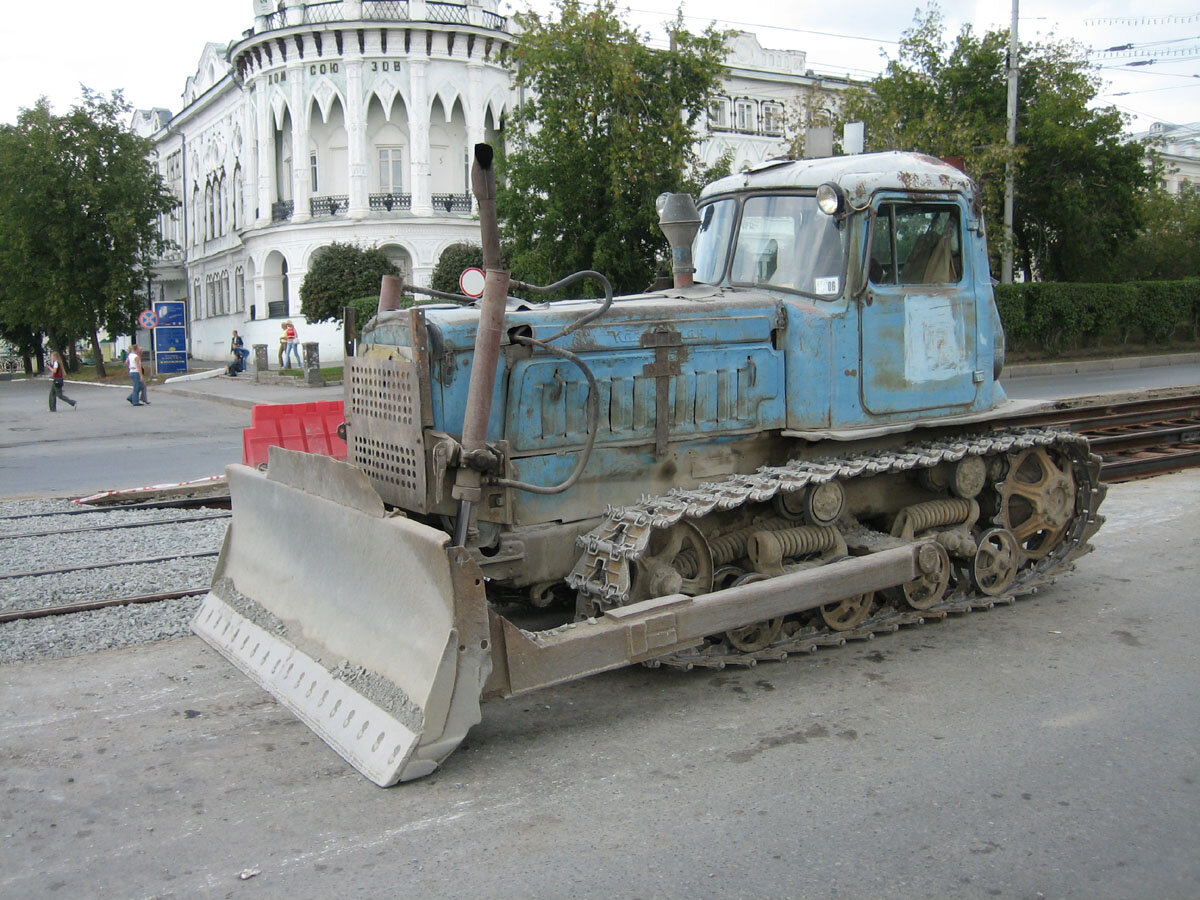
point(266, 153)
point(356, 128)
point(300, 170)
point(418, 130)
point(249, 197)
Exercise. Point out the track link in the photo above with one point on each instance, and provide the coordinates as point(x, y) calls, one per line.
point(601, 576)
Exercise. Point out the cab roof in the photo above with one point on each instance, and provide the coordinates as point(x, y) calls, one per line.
point(859, 176)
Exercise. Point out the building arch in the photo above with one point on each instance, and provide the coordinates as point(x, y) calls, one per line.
point(401, 257)
point(276, 287)
point(328, 143)
point(324, 94)
point(448, 153)
point(389, 146)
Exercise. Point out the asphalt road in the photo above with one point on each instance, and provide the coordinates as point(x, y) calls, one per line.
point(1043, 750)
point(1052, 387)
point(106, 444)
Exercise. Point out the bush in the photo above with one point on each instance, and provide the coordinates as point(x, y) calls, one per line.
point(451, 263)
point(340, 275)
point(1055, 316)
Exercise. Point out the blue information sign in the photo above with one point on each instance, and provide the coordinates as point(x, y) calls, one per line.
point(170, 337)
point(170, 312)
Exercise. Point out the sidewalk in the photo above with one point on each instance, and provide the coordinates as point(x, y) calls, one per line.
point(243, 391)
point(1092, 366)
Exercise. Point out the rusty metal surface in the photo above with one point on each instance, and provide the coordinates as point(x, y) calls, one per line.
point(860, 176)
point(642, 631)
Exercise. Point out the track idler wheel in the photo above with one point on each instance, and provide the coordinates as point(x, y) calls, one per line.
point(930, 586)
point(994, 566)
point(678, 561)
point(760, 635)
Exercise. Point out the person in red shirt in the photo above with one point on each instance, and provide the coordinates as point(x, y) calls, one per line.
point(292, 344)
point(57, 374)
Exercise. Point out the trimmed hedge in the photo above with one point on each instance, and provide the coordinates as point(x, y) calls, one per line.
point(1054, 316)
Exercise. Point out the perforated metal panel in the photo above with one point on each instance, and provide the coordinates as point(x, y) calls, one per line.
point(383, 407)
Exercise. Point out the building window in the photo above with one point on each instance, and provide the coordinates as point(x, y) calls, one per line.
point(746, 116)
point(312, 167)
point(718, 112)
point(210, 297)
point(772, 118)
point(239, 289)
point(391, 170)
point(197, 301)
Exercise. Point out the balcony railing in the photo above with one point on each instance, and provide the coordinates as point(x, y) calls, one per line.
point(447, 12)
point(391, 202)
point(384, 11)
point(282, 210)
point(315, 13)
point(328, 206)
point(452, 202)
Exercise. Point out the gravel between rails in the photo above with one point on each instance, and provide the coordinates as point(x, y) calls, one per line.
point(56, 636)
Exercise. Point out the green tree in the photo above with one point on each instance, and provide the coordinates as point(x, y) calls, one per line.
point(340, 275)
point(79, 209)
point(1168, 247)
point(1079, 187)
point(606, 126)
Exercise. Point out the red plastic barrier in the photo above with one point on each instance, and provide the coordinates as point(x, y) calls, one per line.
point(311, 427)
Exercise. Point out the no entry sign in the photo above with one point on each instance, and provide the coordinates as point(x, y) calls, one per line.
point(470, 282)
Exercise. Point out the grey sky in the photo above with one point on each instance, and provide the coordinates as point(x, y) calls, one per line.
point(150, 48)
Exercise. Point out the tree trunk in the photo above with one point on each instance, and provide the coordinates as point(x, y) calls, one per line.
point(72, 358)
point(98, 356)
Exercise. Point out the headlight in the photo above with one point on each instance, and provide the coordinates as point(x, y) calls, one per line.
point(830, 199)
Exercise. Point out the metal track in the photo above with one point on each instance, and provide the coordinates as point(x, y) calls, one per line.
point(109, 565)
point(68, 608)
point(602, 574)
point(149, 523)
point(1137, 438)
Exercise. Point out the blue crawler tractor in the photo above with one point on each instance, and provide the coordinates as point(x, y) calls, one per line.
point(798, 443)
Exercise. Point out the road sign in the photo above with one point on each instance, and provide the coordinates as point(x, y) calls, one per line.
point(470, 282)
point(147, 318)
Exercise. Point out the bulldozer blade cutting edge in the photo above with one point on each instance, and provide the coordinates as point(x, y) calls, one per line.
point(366, 626)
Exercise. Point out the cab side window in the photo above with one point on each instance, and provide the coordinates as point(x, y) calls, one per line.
point(916, 244)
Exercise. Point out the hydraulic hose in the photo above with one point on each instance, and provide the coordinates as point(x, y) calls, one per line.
point(593, 416)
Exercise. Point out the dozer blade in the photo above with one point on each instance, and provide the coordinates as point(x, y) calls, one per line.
point(368, 627)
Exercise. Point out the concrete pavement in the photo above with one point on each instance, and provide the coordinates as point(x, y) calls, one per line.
point(1047, 749)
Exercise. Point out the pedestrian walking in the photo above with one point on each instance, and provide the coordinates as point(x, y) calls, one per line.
point(57, 375)
point(137, 377)
point(293, 343)
point(283, 327)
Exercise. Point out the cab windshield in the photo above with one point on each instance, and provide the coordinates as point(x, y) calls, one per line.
point(781, 241)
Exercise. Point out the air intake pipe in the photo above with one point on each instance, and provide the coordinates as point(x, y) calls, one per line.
point(679, 221)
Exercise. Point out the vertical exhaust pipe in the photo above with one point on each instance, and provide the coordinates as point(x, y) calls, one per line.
point(468, 481)
point(679, 221)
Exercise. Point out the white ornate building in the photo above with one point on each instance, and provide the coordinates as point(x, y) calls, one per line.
point(352, 121)
point(1179, 148)
point(765, 95)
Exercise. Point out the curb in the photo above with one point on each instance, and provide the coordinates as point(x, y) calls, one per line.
point(239, 402)
point(1087, 366)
